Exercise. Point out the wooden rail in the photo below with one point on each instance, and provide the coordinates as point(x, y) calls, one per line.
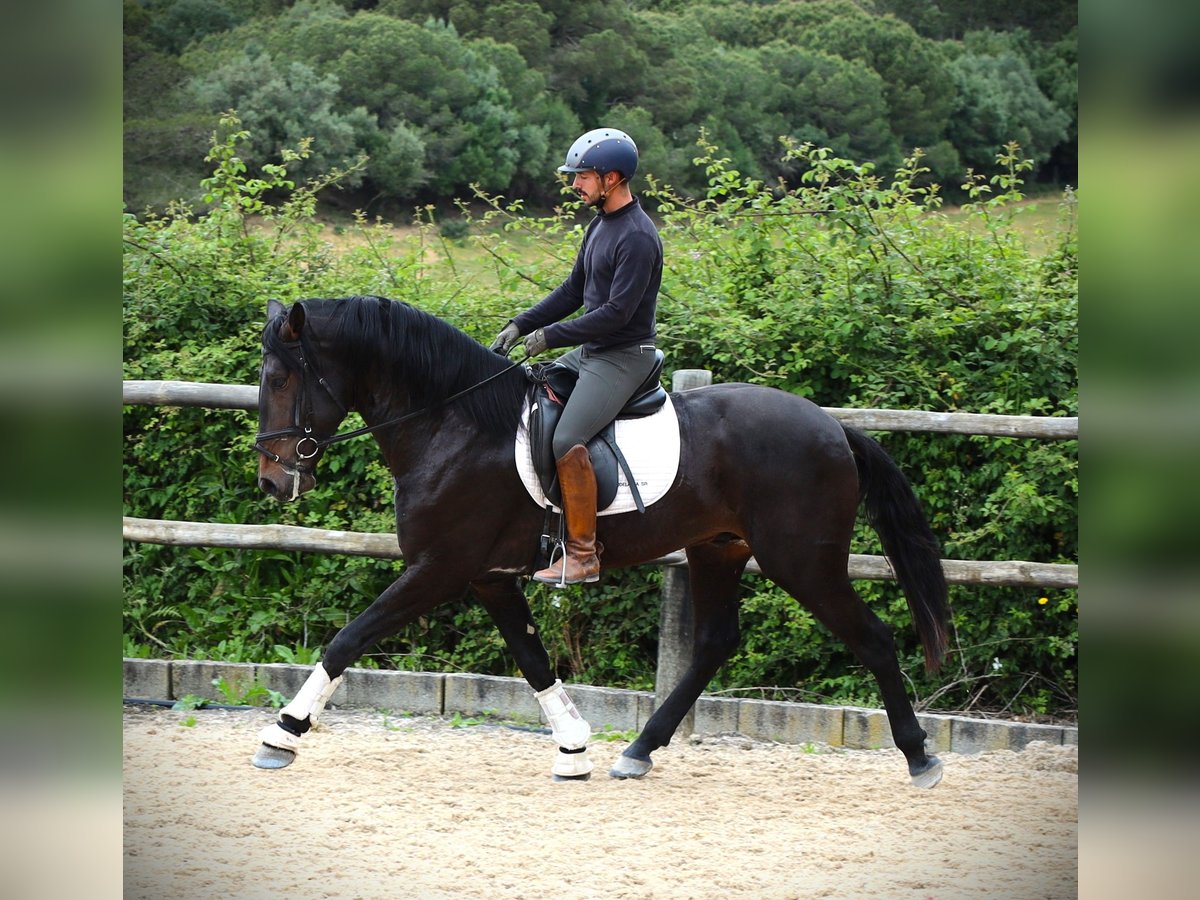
point(384, 546)
point(232, 396)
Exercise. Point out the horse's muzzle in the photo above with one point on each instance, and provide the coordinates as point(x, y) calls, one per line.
point(269, 488)
point(285, 483)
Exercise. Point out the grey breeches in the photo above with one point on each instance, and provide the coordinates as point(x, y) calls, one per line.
point(607, 379)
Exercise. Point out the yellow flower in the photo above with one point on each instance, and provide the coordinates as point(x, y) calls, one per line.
point(1042, 601)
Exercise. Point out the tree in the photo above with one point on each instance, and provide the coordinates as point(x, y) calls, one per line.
point(474, 109)
point(281, 105)
point(185, 21)
point(731, 25)
point(491, 92)
point(918, 93)
point(524, 25)
point(1045, 20)
point(533, 26)
point(543, 120)
point(677, 49)
point(830, 101)
point(397, 161)
point(1056, 68)
point(999, 101)
point(161, 133)
point(602, 69)
point(546, 148)
point(907, 71)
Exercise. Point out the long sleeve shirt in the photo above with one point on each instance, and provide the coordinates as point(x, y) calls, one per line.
point(615, 279)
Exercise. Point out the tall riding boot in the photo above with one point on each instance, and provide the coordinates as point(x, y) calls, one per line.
point(577, 479)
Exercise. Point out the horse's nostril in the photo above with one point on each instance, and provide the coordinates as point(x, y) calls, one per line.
point(268, 487)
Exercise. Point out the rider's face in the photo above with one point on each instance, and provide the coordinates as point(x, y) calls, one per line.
point(590, 186)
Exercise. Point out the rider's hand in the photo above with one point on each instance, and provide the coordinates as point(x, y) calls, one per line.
point(535, 343)
point(507, 339)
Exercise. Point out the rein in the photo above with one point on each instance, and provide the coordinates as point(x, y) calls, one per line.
point(303, 429)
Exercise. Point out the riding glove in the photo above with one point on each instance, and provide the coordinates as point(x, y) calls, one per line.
point(507, 339)
point(535, 343)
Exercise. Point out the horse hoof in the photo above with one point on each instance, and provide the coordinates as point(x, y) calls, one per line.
point(584, 777)
point(629, 767)
point(930, 775)
point(269, 757)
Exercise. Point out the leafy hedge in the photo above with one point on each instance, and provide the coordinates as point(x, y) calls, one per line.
point(853, 289)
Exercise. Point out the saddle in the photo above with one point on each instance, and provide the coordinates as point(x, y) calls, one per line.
point(553, 385)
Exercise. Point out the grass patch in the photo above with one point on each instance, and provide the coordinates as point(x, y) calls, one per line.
point(1038, 220)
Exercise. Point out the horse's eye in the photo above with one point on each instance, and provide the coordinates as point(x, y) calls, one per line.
point(279, 382)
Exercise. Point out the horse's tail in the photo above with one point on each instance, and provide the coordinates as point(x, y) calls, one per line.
point(896, 515)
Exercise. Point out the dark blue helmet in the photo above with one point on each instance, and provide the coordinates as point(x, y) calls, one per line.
point(602, 150)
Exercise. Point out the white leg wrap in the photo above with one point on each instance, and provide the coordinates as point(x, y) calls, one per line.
point(307, 704)
point(275, 736)
point(567, 726)
point(571, 765)
point(311, 700)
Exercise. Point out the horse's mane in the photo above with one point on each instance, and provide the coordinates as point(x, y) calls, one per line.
point(415, 351)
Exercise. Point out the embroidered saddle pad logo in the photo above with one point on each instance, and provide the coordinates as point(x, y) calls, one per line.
point(650, 445)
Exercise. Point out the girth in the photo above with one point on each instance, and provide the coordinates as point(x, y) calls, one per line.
point(553, 385)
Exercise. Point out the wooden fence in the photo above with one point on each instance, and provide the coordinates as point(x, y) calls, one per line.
point(675, 618)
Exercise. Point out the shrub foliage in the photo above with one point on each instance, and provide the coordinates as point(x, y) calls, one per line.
point(853, 289)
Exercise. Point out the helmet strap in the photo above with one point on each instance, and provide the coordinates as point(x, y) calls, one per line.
point(605, 190)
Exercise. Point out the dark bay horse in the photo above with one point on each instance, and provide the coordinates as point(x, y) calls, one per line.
point(761, 472)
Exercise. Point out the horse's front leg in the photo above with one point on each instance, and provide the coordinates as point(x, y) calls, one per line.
point(417, 591)
point(505, 602)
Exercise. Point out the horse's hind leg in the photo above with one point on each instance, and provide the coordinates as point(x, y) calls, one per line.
point(506, 604)
point(821, 584)
point(715, 571)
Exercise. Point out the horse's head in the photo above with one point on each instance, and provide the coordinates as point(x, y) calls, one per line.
point(298, 409)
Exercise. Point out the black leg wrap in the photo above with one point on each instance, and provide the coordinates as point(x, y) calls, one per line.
point(292, 725)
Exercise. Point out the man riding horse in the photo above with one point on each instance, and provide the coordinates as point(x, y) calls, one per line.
point(615, 279)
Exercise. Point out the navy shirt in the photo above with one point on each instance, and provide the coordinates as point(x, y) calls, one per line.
point(615, 279)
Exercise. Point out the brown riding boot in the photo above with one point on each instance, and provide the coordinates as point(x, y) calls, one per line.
point(577, 479)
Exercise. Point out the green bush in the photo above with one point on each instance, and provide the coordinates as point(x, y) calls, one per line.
point(853, 289)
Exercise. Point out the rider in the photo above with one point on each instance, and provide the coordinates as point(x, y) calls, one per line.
point(615, 279)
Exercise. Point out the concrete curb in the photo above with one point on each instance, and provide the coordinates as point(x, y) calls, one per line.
point(433, 693)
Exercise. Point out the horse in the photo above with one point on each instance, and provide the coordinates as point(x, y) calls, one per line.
point(761, 472)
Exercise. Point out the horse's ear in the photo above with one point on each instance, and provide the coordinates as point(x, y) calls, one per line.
point(295, 323)
point(274, 308)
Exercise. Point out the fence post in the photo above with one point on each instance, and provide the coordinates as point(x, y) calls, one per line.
point(675, 627)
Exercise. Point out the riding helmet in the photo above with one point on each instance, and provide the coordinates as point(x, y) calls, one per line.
point(602, 150)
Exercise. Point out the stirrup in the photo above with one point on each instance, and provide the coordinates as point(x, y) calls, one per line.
point(560, 547)
point(563, 559)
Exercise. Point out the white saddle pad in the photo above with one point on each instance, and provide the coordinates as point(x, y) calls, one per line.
point(650, 445)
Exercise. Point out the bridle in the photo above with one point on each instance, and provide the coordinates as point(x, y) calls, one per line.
point(302, 414)
point(307, 446)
